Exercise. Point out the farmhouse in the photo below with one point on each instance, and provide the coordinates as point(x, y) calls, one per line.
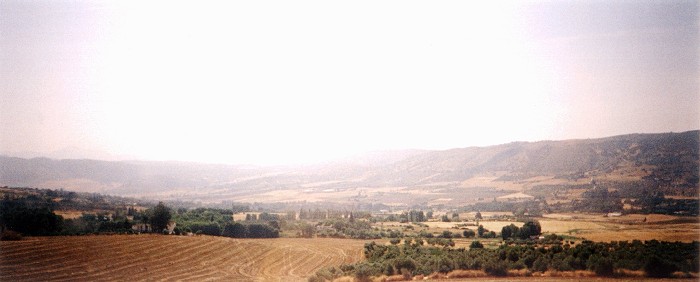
point(145, 227)
point(516, 197)
point(171, 227)
point(141, 227)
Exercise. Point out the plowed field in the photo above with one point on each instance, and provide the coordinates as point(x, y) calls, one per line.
point(155, 257)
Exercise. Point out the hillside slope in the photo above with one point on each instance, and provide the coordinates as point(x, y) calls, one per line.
point(670, 155)
point(667, 160)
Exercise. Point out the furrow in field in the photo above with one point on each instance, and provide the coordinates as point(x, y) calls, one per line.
point(168, 258)
point(189, 261)
point(121, 257)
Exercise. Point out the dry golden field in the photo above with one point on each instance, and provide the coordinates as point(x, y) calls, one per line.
point(598, 227)
point(627, 227)
point(157, 257)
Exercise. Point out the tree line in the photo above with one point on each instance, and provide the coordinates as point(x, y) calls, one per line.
point(219, 222)
point(654, 258)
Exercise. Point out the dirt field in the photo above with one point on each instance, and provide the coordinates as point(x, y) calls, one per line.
point(154, 257)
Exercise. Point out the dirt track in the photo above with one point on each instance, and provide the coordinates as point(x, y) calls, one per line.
point(155, 257)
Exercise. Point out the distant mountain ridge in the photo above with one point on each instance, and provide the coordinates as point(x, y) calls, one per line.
point(568, 157)
point(669, 159)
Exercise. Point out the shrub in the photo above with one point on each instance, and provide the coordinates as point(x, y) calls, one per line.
point(404, 263)
point(476, 245)
point(540, 264)
point(444, 265)
point(658, 268)
point(468, 233)
point(604, 267)
point(326, 274)
point(235, 230)
point(363, 272)
point(496, 268)
point(530, 228)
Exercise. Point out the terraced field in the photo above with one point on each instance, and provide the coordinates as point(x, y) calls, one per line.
point(154, 257)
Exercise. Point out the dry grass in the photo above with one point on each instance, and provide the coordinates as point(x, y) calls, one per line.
point(385, 278)
point(70, 214)
point(570, 274)
point(436, 276)
point(597, 227)
point(568, 227)
point(155, 257)
point(662, 232)
point(629, 273)
point(344, 279)
point(466, 274)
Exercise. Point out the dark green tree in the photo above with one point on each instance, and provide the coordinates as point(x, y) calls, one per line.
point(28, 219)
point(468, 233)
point(160, 217)
point(530, 228)
point(476, 245)
point(510, 231)
point(235, 230)
point(658, 268)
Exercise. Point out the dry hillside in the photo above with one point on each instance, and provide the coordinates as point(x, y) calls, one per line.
point(667, 162)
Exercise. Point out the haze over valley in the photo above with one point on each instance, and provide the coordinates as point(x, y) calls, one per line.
point(667, 162)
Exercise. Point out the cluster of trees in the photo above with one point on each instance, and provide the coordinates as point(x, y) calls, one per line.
point(206, 221)
point(528, 230)
point(30, 211)
point(654, 201)
point(485, 233)
point(264, 217)
point(599, 199)
point(645, 196)
point(90, 223)
point(656, 259)
point(414, 216)
point(219, 222)
point(29, 217)
point(249, 230)
point(349, 228)
point(448, 218)
point(159, 217)
point(405, 217)
point(318, 214)
point(519, 209)
point(62, 200)
point(32, 214)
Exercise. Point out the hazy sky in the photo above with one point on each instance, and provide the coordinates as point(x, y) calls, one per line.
point(301, 81)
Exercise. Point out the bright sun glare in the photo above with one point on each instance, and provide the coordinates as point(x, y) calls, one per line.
point(271, 82)
point(225, 84)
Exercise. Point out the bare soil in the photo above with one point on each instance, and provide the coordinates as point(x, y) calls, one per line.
point(157, 257)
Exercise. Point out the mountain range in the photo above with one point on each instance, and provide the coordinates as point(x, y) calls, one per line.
point(668, 161)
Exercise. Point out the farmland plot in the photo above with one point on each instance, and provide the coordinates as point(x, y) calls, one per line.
point(154, 257)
